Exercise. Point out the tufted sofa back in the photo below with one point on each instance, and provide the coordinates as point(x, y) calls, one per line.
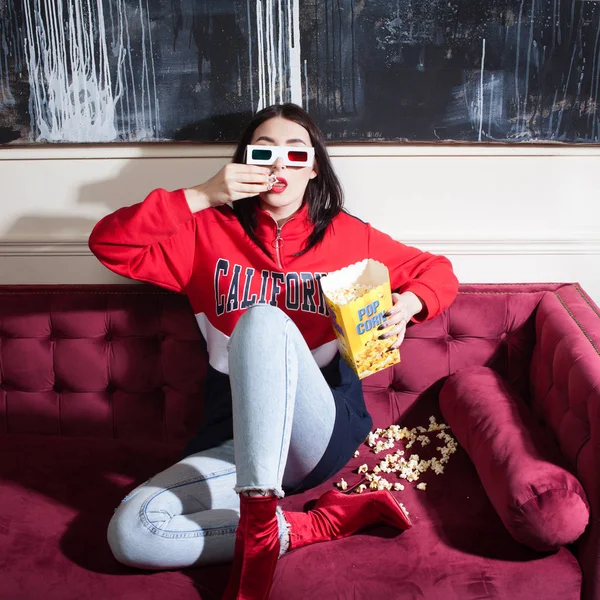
point(492, 325)
point(123, 362)
point(128, 361)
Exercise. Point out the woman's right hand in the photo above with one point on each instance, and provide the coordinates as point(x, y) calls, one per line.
point(233, 182)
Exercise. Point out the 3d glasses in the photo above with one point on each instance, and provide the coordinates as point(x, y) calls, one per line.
point(293, 156)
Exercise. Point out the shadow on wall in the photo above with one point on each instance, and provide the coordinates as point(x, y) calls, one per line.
point(52, 248)
point(137, 178)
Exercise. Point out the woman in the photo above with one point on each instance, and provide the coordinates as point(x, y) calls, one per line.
point(283, 411)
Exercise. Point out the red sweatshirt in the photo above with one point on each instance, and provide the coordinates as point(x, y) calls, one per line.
point(208, 256)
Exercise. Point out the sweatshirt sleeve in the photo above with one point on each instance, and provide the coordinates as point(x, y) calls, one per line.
point(428, 276)
point(152, 241)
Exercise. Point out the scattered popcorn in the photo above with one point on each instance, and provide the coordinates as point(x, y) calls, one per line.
point(395, 463)
point(410, 469)
point(384, 484)
point(356, 454)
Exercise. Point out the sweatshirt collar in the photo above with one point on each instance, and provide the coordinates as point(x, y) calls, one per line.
point(298, 225)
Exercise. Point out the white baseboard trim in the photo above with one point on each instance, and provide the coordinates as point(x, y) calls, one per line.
point(574, 246)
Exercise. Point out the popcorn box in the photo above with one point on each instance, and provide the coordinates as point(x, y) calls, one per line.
point(358, 297)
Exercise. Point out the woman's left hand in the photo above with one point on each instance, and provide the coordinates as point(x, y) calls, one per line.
point(405, 306)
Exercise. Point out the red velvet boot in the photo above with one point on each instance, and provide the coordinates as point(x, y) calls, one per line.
point(256, 549)
point(337, 516)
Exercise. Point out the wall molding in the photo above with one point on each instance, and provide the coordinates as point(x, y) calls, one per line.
point(576, 245)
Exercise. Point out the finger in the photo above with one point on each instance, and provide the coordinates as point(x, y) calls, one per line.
point(399, 341)
point(394, 319)
point(397, 304)
point(251, 178)
point(251, 189)
point(396, 330)
point(252, 169)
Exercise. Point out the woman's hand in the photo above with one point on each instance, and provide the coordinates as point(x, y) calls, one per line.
point(233, 182)
point(405, 306)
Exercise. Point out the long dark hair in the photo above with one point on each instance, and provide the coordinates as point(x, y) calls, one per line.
point(323, 194)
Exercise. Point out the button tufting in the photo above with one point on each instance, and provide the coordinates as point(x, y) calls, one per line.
point(57, 388)
point(108, 337)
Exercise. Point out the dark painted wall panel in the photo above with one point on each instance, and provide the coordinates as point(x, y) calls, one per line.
point(384, 70)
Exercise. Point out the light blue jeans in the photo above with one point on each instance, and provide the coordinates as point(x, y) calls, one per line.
point(283, 418)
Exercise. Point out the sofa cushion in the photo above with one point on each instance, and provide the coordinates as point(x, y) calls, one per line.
point(541, 504)
point(58, 494)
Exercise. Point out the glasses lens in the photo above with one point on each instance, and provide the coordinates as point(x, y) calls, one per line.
point(261, 154)
point(297, 156)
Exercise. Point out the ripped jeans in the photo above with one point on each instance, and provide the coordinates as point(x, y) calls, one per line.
point(283, 419)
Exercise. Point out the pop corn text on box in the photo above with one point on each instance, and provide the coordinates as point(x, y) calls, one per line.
point(358, 297)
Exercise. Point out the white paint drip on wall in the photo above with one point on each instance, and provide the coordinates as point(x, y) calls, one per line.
point(156, 107)
point(10, 45)
point(295, 61)
point(517, 97)
point(71, 87)
point(481, 89)
point(305, 86)
point(71, 95)
point(260, 51)
point(250, 53)
point(280, 51)
point(531, 22)
point(279, 65)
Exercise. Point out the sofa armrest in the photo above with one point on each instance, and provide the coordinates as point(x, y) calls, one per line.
point(565, 387)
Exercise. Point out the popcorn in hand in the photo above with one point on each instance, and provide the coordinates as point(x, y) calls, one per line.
point(350, 293)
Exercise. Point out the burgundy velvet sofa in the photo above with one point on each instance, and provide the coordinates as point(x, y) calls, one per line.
point(100, 386)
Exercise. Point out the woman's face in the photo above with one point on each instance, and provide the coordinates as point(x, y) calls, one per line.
point(288, 192)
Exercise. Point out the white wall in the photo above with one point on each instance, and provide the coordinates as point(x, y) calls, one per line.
point(501, 214)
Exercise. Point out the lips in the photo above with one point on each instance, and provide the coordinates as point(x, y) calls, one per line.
point(279, 186)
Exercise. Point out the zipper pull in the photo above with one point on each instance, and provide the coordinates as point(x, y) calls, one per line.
point(277, 244)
